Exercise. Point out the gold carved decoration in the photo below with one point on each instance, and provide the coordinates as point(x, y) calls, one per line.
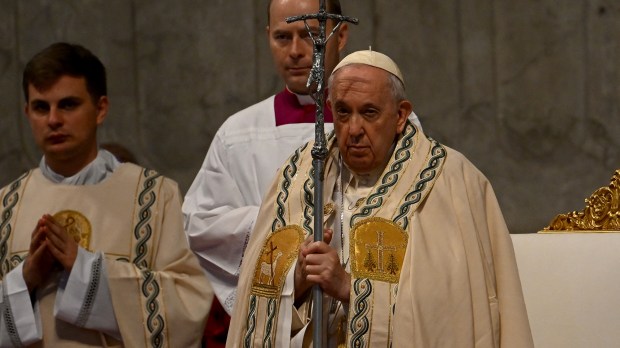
point(76, 225)
point(600, 214)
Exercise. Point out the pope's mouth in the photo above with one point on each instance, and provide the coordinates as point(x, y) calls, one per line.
point(357, 149)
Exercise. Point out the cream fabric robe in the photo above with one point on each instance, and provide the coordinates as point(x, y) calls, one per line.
point(243, 158)
point(459, 285)
point(159, 293)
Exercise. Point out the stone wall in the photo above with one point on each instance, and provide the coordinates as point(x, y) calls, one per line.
point(528, 90)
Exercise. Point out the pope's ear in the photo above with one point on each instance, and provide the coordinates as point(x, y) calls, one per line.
point(404, 110)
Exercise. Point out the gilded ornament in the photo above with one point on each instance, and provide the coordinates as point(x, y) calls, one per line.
point(328, 208)
point(378, 249)
point(601, 213)
point(76, 225)
point(277, 255)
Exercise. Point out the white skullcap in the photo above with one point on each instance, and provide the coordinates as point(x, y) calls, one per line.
point(372, 58)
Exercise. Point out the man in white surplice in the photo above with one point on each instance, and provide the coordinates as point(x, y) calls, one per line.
point(222, 203)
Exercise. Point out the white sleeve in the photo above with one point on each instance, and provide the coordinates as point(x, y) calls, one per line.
point(218, 222)
point(20, 323)
point(83, 297)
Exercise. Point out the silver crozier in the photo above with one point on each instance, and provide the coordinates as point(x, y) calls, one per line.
point(319, 151)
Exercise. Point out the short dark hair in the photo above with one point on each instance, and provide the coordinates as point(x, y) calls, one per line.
point(60, 59)
point(331, 6)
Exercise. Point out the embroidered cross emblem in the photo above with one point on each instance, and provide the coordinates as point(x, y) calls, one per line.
point(380, 249)
point(268, 268)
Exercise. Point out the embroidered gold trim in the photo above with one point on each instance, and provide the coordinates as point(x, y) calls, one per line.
point(377, 249)
point(277, 255)
point(76, 225)
point(328, 208)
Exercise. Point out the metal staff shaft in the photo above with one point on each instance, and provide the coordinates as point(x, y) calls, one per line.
point(319, 150)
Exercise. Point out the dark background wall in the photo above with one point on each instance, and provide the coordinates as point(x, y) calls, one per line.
point(528, 90)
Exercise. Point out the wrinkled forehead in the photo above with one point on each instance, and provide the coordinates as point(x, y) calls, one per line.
point(358, 77)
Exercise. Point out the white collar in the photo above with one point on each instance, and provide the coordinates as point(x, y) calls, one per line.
point(303, 99)
point(95, 172)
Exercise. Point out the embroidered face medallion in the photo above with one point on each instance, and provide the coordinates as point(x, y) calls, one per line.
point(279, 252)
point(77, 225)
point(377, 249)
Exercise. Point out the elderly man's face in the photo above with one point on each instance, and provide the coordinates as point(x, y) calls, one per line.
point(367, 118)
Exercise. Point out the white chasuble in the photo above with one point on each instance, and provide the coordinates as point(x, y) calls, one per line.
point(432, 263)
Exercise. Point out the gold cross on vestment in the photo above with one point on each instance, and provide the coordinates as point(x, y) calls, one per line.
point(381, 248)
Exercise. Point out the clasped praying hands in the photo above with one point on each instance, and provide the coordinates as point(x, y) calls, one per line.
point(50, 246)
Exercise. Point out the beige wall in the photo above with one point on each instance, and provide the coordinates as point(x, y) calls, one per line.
point(528, 90)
